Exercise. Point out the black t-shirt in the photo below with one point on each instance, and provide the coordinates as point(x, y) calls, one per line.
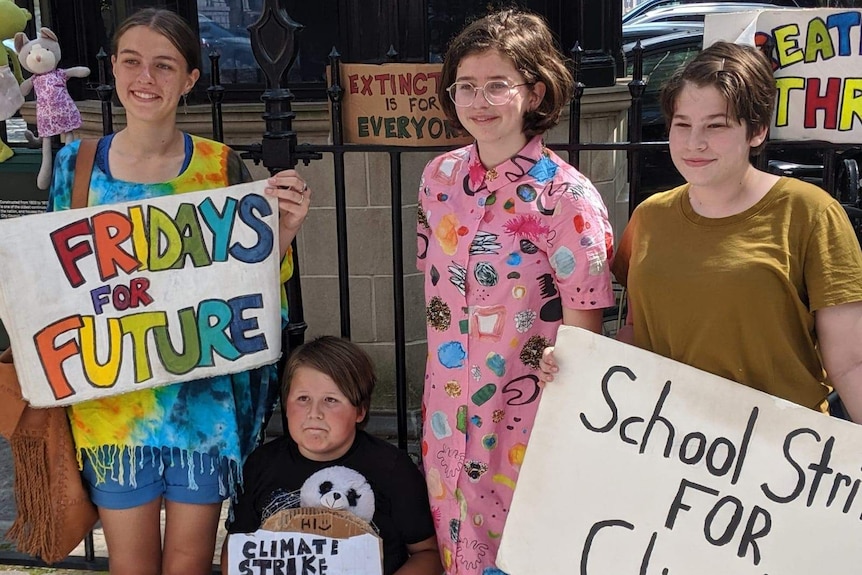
point(276, 471)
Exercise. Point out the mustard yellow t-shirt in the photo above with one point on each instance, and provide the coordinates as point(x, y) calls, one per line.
point(736, 296)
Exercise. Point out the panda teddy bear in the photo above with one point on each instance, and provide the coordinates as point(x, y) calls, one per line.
point(336, 487)
point(339, 487)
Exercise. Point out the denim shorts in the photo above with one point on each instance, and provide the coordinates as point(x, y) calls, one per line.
point(126, 478)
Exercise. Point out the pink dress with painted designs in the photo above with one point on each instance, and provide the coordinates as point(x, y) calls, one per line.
point(502, 251)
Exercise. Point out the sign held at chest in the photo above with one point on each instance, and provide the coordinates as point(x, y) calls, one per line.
point(307, 541)
point(127, 296)
point(653, 466)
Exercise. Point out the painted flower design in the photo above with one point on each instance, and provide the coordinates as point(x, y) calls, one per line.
point(524, 320)
point(477, 174)
point(438, 314)
point(531, 353)
point(453, 388)
point(527, 226)
point(420, 216)
point(544, 170)
point(475, 469)
point(447, 234)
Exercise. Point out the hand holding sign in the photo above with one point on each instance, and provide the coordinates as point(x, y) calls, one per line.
point(294, 197)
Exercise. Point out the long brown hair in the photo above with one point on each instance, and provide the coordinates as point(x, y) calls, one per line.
point(171, 26)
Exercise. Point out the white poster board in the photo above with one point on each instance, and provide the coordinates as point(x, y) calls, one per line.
point(103, 300)
point(269, 552)
point(817, 64)
point(639, 464)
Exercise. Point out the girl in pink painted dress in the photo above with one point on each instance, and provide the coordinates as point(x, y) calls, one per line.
point(513, 242)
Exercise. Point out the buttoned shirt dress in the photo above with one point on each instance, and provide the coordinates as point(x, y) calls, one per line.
point(503, 251)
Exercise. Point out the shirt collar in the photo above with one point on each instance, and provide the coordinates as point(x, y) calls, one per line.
point(509, 171)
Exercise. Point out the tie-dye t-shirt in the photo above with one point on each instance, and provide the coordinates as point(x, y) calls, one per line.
point(220, 416)
point(503, 251)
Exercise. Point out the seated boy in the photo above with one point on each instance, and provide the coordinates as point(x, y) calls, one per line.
point(326, 395)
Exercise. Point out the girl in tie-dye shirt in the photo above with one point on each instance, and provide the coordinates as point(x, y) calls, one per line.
point(513, 242)
point(182, 444)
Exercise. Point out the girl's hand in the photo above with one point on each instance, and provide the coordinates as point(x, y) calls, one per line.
point(293, 196)
point(547, 366)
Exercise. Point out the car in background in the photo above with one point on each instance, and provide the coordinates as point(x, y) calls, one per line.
point(650, 5)
point(697, 12)
point(661, 57)
point(236, 57)
point(643, 30)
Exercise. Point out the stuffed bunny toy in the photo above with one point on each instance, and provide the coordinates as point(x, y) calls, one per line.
point(12, 20)
point(56, 113)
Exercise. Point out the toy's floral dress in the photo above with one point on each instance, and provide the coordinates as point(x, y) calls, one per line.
point(56, 112)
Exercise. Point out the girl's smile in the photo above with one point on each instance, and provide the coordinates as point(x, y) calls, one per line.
point(498, 130)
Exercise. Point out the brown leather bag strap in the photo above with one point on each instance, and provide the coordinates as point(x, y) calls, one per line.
point(83, 170)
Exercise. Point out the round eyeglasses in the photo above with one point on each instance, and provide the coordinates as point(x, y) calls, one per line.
point(496, 92)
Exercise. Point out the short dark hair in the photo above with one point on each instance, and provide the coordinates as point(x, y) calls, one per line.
point(170, 25)
point(742, 74)
point(342, 361)
point(527, 41)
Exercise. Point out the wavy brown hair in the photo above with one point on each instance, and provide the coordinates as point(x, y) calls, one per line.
point(741, 74)
point(525, 39)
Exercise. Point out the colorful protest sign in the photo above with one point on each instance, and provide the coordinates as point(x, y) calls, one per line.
point(100, 301)
point(817, 60)
point(395, 104)
point(307, 541)
point(638, 464)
